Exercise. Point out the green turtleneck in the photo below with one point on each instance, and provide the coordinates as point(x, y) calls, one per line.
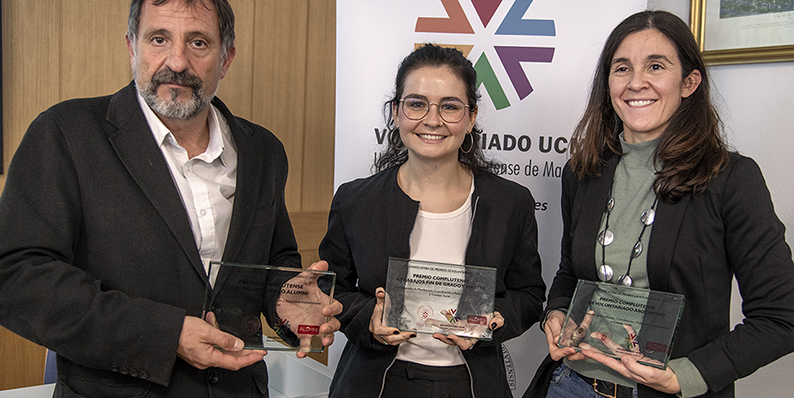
point(632, 190)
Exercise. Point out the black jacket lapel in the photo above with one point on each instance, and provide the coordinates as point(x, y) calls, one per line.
point(135, 145)
point(588, 221)
point(247, 190)
point(249, 181)
point(661, 244)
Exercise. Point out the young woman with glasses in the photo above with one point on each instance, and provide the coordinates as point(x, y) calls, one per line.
point(433, 198)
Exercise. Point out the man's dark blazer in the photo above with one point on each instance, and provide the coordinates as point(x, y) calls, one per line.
point(696, 247)
point(97, 257)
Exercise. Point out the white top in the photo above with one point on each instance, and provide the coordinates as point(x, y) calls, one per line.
point(438, 237)
point(206, 183)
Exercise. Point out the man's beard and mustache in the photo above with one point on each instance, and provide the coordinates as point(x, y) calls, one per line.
point(173, 108)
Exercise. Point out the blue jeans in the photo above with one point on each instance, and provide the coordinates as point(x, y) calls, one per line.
point(566, 384)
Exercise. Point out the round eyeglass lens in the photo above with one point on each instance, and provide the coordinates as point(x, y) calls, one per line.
point(450, 110)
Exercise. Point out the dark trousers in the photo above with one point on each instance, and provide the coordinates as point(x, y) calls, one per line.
point(407, 379)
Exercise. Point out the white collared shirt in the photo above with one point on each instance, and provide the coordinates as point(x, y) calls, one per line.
point(206, 183)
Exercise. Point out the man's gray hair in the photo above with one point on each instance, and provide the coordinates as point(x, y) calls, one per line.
point(222, 8)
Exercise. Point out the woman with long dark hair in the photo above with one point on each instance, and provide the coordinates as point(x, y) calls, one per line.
point(433, 198)
point(653, 199)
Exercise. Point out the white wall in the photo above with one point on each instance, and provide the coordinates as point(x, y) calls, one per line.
point(756, 102)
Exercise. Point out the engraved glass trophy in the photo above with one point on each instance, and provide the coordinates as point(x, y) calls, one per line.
point(619, 320)
point(271, 308)
point(429, 297)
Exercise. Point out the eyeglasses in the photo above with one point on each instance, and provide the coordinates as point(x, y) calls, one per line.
point(450, 110)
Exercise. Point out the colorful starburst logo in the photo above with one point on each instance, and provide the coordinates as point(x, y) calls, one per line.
point(631, 341)
point(450, 314)
point(511, 57)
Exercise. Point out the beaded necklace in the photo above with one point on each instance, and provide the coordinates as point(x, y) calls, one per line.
point(605, 238)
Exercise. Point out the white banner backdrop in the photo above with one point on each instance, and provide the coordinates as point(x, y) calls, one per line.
point(535, 60)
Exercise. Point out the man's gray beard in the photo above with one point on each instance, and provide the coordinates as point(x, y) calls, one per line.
point(173, 108)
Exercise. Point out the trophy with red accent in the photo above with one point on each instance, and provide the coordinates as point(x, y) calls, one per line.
point(619, 320)
point(430, 297)
point(270, 308)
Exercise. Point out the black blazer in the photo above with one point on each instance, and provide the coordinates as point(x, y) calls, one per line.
point(696, 247)
point(371, 219)
point(97, 257)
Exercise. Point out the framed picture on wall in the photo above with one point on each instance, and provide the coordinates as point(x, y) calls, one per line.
point(744, 31)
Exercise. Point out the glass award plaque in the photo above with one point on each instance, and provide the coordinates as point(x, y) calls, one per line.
point(271, 308)
point(620, 320)
point(428, 297)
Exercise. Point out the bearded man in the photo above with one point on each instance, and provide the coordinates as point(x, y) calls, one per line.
point(114, 207)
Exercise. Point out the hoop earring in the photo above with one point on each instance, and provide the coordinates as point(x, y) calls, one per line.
point(394, 138)
point(464, 141)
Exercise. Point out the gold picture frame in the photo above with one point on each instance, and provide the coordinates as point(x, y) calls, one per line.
point(773, 53)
